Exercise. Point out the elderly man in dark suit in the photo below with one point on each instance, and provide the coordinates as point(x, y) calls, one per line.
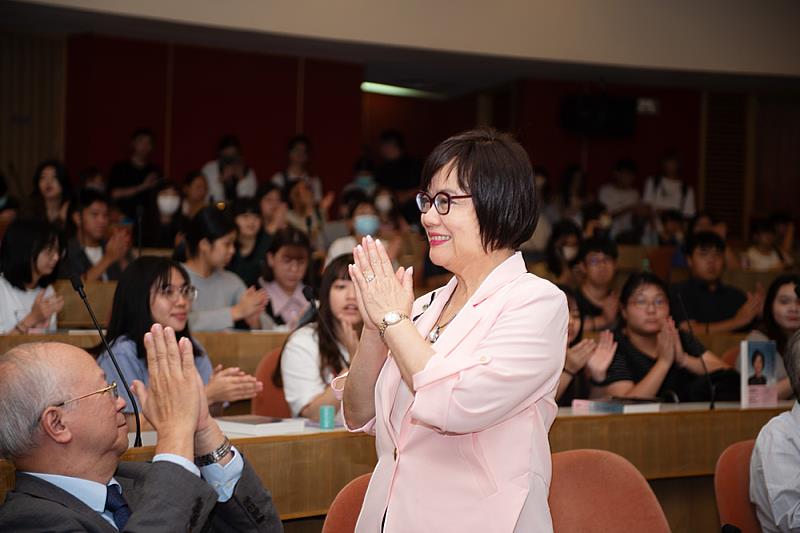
point(62, 426)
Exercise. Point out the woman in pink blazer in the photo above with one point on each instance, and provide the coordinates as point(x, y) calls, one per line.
point(459, 386)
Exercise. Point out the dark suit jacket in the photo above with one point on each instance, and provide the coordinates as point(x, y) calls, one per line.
point(163, 497)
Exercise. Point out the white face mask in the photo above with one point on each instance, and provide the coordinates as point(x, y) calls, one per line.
point(569, 252)
point(168, 204)
point(383, 203)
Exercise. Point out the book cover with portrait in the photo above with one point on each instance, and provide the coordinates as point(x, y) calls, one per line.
point(757, 365)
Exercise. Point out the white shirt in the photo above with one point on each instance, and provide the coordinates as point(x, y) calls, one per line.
point(216, 191)
point(300, 368)
point(774, 473)
point(15, 304)
point(279, 179)
point(616, 199)
point(763, 263)
point(341, 246)
point(669, 195)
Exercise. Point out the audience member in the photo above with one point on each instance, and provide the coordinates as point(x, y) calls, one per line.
point(783, 224)
point(573, 194)
point(252, 242)
point(712, 306)
point(597, 300)
point(562, 251)
point(362, 220)
point(669, 191)
point(363, 176)
point(656, 359)
point(304, 215)
point(89, 254)
point(29, 257)
point(621, 198)
point(51, 193)
point(671, 230)
point(596, 221)
point(298, 153)
point(9, 206)
point(533, 250)
point(92, 178)
point(273, 208)
point(69, 476)
point(195, 194)
point(399, 172)
point(319, 351)
point(764, 254)
point(586, 361)
point(164, 228)
point(287, 264)
point(157, 290)
point(781, 319)
point(131, 182)
point(775, 463)
point(223, 300)
point(703, 221)
point(228, 175)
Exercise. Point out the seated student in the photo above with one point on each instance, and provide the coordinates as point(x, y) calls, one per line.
point(89, 254)
point(284, 272)
point(764, 255)
point(780, 320)
point(783, 224)
point(654, 358)
point(51, 193)
point(165, 223)
point(363, 219)
point(319, 351)
point(92, 178)
point(672, 231)
point(29, 256)
point(63, 432)
point(703, 222)
point(596, 221)
point(597, 300)
point(298, 153)
point(228, 175)
point(305, 215)
point(273, 208)
point(587, 360)
point(252, 242)
point(621, 198)
point(195, 194)
point(223, 300)
point(775, 463)
point(712, 306)
point(157, 290)
point(131, 181)
point(562, 251)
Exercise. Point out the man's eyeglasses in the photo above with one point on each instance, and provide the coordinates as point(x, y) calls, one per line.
point(644, 303)
point(441, 201)
point(111, 388)
point(172, 292)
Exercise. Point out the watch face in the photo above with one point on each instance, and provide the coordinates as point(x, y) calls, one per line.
point(392, 317)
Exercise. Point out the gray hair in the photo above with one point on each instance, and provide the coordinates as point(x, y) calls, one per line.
point(28, 386)
point(791, 360)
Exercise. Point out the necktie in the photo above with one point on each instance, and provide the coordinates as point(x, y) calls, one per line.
point(118, 507)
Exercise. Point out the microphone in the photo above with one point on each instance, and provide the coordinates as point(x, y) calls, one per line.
point(311, 312)
point(77, 284)
point(711, 387)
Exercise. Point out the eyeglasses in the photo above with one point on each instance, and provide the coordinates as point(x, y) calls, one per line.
point(598, 260)
point(111, 388)
point(644, 303)
point(441, 201)
point(172, 292)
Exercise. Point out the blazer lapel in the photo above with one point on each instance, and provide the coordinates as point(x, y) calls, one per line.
point(38, 488)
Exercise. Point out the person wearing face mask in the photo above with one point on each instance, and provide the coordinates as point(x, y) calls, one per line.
point(562, 250)
point(162, 230)
point(252, 242)
point(363, 220)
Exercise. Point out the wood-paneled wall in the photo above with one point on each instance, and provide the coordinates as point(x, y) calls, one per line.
point(33, 73)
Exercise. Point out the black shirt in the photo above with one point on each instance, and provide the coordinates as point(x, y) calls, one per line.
point(125, 174)
point(250, 267)
point(705, 305)
point(586, 307)
point(630, 364)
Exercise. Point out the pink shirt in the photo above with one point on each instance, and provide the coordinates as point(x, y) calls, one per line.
point(290, 307)
point(467, 450)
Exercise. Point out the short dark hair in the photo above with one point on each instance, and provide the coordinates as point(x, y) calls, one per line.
point(130, 311)
point(639, 279)
point(625, 165)
point(209, 223)
point(61, 176)
point(229, 141)
point(358, 202)
point(671, 215)
point(392, 137)
point(192, 175)
point(704, 240)
point(288, 236)
point(22, 243)
point(593, 211)
point(756, 354)
point(139, 132)
point(597, 245)
point(762, 226)
point(243, 206)
point(88, 173)
point(496, 171)
point(298, 139)
point(266, 188)
point(86, 197)
point(791, 360)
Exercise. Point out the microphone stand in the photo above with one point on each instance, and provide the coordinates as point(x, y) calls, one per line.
point(77, 284)
point(711, 387)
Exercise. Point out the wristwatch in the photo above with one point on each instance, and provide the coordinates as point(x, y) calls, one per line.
point(390, 319)
point(215, 456)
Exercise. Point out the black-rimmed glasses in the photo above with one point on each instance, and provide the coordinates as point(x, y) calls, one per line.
point(111, 388)
point(441, 201)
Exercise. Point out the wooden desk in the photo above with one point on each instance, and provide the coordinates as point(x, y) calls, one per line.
point(676, 450)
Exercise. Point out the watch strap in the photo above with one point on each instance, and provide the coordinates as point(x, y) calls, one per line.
point(384, 324)
point(215, 456)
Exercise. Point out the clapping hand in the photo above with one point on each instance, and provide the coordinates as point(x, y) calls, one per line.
point(231, 385)
point(602, 356)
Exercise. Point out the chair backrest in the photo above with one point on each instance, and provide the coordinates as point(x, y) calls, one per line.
point(732, 487)
point(596, 490)
point(270, 401)
point(343, 512)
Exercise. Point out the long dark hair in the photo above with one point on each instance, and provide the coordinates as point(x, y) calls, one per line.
point(210, 223)
point(61, 176)
point(325, 323)
point(130, 312)
point(23, 242)
point(572, 303)
point(769, 326)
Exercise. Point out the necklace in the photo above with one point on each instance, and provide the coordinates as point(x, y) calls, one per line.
point(433, 336)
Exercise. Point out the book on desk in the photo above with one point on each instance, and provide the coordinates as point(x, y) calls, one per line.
point(615, 406)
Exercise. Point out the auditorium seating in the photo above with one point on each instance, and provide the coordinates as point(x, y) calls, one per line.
point(270, 401)
point(599, 491)
point(74, 315)
point(732, 487)
point(343, 512)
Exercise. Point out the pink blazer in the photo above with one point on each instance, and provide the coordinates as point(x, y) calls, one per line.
point(471, 452)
